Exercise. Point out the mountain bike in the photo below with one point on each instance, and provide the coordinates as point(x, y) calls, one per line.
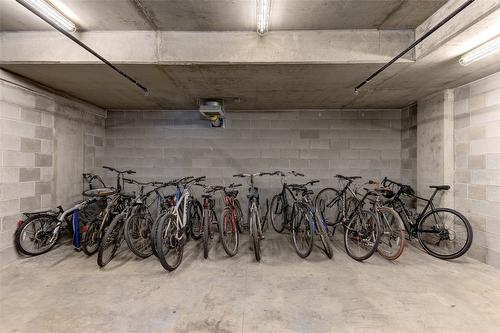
point(281, 208)
point(361, 227)
point(172, 230)
point(139, 224)
point(255, 222)
point(442, 232)
point(96, 229)
point(307, 222)
point(39, 231)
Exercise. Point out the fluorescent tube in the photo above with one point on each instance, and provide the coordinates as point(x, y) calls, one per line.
point(480, 52)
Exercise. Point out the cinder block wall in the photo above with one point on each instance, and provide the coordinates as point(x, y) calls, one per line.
point(171, 144)
point(409, 145)
point(477, 163)
point(46, 142)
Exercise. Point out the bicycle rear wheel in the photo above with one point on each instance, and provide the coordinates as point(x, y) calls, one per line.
point(445, 233)
point(240, 220)
point(302, 232)
point(362, 235)
point(35, 235)
point(392, 238)
point(138, 233)
point(327, 203)
point(277, 213)
point(111, 241)
point(229, 232)
point(170, 242)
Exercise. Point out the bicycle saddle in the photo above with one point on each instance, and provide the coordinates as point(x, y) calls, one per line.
point(47, 211)
point(440, 187)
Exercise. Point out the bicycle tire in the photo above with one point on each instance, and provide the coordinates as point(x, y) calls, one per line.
point(91, 239)
point(164, 236)
point(299, 218)
point(226, 221)
point(240, 223)
point(206, 233)
point(142, 231)
point(322, 199)
point(356, 222)
point(275, 214)
point(394, 227)
point(255, 235)
point(453, 255)
point(47, 218)
point(323, 235)
point(195, 220)
point(112, 237)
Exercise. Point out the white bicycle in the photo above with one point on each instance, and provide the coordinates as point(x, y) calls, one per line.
point(172, 229)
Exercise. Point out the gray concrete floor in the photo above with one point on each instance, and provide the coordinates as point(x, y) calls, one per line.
point(64, 291)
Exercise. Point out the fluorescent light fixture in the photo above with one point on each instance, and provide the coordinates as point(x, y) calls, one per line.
point(263, 11)
point(46, 9)
point(480, 52)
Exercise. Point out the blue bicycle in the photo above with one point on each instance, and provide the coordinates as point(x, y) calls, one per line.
point(308, 222)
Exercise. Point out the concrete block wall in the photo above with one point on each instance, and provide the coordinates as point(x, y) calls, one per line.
point(477, 163)
point(160, 144)
point(409, 145)
point(46, 142)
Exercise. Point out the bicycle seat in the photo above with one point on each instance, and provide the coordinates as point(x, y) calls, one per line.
point(440, 187)
point(348, 178)
point(206, 195)
point(307, 192)
point(46, 211)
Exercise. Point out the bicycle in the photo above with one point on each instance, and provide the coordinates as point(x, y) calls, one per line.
point(442, 232)
point(308, 222)
point(361, 227)
point(281, 210)
point(231, 217)
point(39, 231)
point(208, 217)
point(138, 225)
point(95, 230)
point(255, 222)
point(172, 230)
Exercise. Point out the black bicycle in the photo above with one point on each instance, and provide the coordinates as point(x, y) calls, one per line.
point(282, 203)
point(362, 231)
point(308, 222)
point(443, 232)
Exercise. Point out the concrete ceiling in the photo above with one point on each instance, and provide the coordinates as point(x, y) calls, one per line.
point(227, 15)
point(282, 70)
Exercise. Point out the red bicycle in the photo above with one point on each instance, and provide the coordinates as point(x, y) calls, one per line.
point(231, 221)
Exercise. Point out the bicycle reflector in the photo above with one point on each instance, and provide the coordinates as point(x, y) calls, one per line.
point(19, 223)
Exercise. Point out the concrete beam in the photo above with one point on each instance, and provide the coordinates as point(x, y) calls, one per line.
point(482, 17)
point(150, 47)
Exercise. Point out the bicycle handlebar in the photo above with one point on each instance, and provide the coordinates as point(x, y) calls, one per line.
point(130, 172)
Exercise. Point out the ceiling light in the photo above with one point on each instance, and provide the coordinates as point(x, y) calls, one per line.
point(46, 9)
point(263, 10)
point(480, 52)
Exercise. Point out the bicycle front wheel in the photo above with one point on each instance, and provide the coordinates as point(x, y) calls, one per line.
point(445, 233)
point(323, 235)
point(362, 235)
point(206, 233)
point(255, 234)
point(111, 241)
point(392, 238)
point(138, 234)
point(302, 232)
point(229, 232)
point(91, 238)
point(170, 242)
point(195, 220)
